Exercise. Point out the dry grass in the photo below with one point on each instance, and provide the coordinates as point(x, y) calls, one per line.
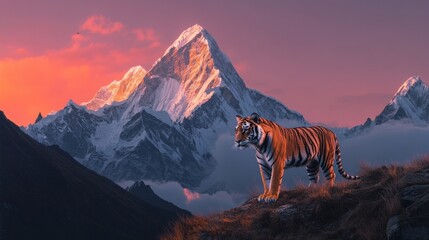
point(349, 210)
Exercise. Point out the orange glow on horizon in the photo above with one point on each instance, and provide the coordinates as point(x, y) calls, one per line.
point(44, 84)
point(344, 75)
point(93, 58)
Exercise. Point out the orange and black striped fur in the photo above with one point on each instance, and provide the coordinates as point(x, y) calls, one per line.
point(278, 148)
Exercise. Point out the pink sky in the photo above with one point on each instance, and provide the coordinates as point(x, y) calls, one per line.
point(336, 62)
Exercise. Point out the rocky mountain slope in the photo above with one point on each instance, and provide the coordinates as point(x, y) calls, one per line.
point(117, 91)
point(389, 202)
point(410, 104)
point(46, 194)
point(167, 126)
point(145, 192)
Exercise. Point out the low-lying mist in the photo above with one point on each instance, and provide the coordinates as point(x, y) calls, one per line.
point(385, 144)
point(236, 177)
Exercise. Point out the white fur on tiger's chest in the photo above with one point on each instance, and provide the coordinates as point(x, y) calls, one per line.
point(266, 157)
point(262, 159)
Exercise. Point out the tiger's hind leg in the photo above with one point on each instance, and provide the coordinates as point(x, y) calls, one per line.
point(327, 165)
point(313, 171)
point(329, 175)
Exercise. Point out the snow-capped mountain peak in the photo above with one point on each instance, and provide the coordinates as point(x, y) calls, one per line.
point(117, 91)
point(186, 37)
point(413, 84)
point(191, 72)
point(171, 118)
point(410, 105)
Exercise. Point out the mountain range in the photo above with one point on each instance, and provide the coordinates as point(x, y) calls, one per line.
point(410, 105)
point(46, 194)
point(161, 124)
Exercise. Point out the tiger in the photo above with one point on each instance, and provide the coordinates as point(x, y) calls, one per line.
point(278, 148)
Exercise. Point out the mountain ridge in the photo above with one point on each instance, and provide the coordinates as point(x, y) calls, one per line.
point(409, 105)
point(117, 91)
point(165, 129)
point(411, 101)
point(46, 194)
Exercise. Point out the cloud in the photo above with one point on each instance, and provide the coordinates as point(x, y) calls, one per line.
point(386, 144)
point(44, 82)
point(198, 203)
point(191, 196)
point(238, 169)
point(147, 35)
point(100, 24)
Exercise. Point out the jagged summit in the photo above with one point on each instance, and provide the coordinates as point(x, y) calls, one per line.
point(191, 72)
point(410, 103)
point(197, 37)
point(70, 102)
point(117, 91)
point(39, 117)
point(187, 36)
point(172, 116)
point(411, 84)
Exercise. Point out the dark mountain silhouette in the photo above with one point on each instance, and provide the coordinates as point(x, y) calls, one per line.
point(46, 194)
point(39, 117)
point(145, 192)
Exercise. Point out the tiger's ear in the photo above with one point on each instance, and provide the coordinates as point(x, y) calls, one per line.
point(238, 118)
point(255, 117)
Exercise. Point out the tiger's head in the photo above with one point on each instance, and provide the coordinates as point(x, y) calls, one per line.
point(247, 131)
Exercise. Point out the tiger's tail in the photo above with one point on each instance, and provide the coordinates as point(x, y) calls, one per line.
point(340, 163)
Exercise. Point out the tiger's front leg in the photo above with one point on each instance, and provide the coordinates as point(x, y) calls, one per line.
point(264, 176)
point(275, 183)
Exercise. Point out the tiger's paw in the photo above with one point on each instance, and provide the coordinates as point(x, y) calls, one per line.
point(270, 198)
point(261, 197)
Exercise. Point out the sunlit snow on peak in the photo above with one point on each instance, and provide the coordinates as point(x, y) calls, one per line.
point(117, 91)
point(412, 82)
point(187, 36)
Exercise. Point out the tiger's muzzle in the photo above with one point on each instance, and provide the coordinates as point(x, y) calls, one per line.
point(241, 144)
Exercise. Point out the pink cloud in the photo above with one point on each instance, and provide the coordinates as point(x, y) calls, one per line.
point(147, 35)
point(45, 82)
point(100, 24)
point(190, 196)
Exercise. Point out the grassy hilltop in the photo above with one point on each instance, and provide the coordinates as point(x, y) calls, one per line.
point(397, 196)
